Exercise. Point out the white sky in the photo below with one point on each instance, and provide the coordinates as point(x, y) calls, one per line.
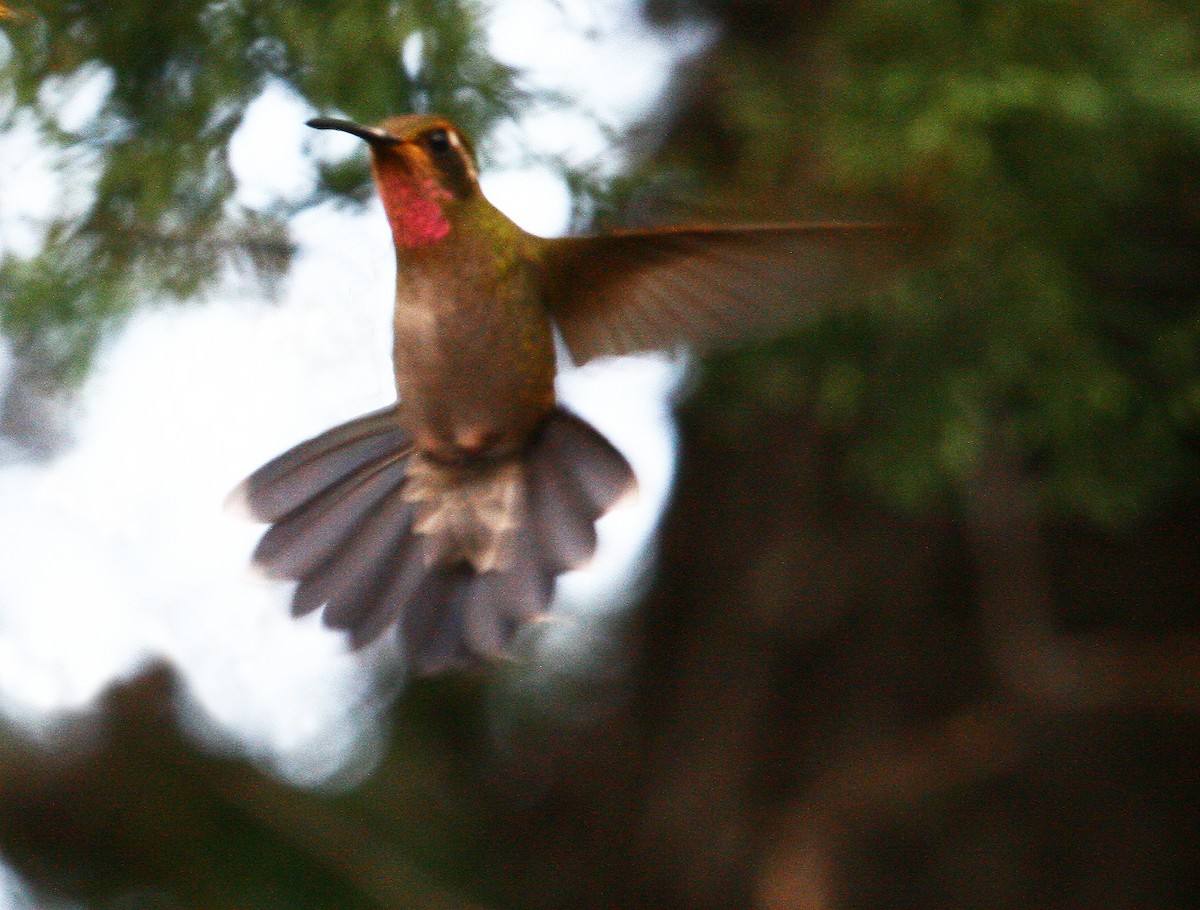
point(118, 550)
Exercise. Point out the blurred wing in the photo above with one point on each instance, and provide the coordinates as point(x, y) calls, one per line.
point(698, 287)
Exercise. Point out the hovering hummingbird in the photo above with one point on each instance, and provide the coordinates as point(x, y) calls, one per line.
point(451, 512)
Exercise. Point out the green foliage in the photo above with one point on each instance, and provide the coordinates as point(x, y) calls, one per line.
point(1048, 150)
point(149, 211)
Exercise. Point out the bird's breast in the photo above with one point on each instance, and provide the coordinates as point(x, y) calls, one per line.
point(474, 360)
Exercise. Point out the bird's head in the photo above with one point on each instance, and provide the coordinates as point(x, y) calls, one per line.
point(422, 165)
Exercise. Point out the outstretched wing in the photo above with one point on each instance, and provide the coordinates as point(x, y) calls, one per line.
point(698, 287)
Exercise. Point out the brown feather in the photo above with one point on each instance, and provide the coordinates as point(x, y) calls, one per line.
point(593, 463)
point(432, 626)
point(563, 521)
point(366, 624)
point(304, 539)
point(525, 591)
point(359, 571)
point(293, 478)
point(486, 631)
point(697, 287)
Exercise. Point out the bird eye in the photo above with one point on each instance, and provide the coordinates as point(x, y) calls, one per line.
point(438, 141)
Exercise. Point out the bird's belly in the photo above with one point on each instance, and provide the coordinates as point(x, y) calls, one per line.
point(471, 386)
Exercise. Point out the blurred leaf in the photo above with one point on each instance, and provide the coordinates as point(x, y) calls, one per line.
point(1050, 148)
point(137, 103)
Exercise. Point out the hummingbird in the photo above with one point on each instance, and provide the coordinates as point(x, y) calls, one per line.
point(449, 514)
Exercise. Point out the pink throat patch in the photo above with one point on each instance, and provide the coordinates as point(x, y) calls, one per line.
point(414, 210)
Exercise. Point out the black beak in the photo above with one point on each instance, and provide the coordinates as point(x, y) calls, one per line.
point(372, 134)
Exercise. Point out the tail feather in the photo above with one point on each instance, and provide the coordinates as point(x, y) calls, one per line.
point(563, 520)
point(458, 559)
point(358, 572)
point(295, 477)
point(526, 589)
point(499, 603)
point(367, 621)
point(486, 631)
point(432, 622)
point(302, 540)
point(601, 472)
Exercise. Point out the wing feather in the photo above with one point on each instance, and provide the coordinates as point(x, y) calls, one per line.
point(699, 287)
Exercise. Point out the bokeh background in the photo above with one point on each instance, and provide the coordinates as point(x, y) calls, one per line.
point(920, 623)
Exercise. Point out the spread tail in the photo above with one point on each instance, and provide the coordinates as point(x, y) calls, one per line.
point(457, 556)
